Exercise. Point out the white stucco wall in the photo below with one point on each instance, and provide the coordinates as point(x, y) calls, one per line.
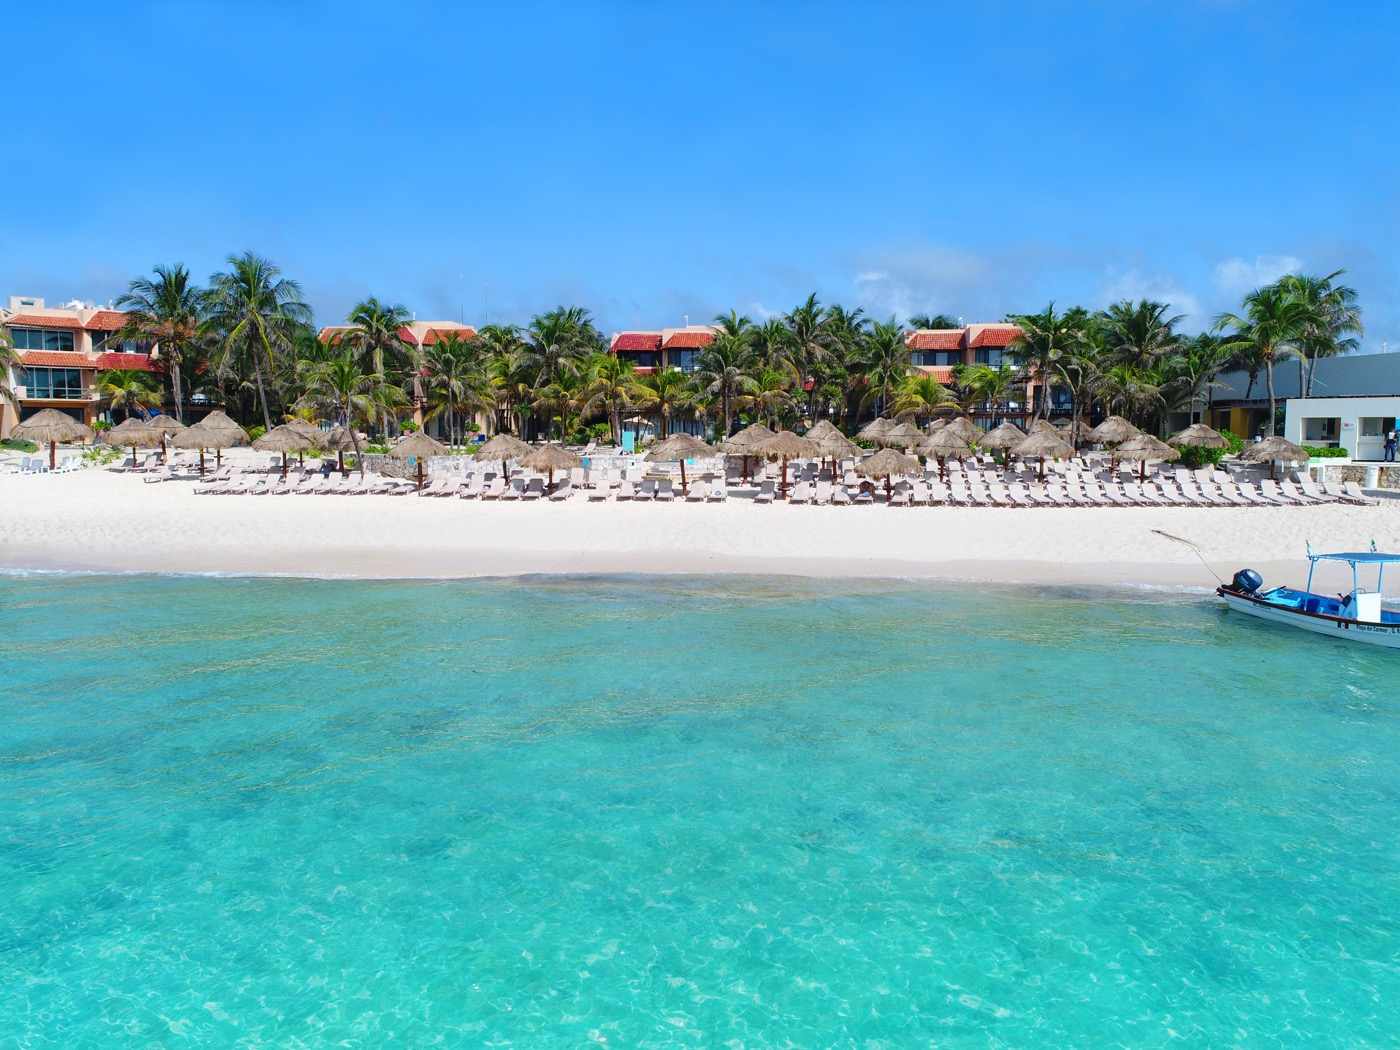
point(1351, 411)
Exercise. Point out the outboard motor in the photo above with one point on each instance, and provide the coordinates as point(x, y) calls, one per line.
point(1247, 581)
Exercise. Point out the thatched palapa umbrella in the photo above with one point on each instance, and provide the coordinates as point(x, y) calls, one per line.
point(836, 445)
point(49, 426)
point(284, 439)
point(1273, 450)
point(1146, 449)
point(418, 447)
point(1043, 426)
point(1074, 432)
point(1198, 435)
point(875, 429)
point(902, 435)
point(214, 431)
point(677, 449)
point(504, 447)
point(313, 433)
point(886, 464)
point(132, 431)
point(341, 440)
point(1003, 437)
point(789, 446)
point(945, 445)
point(935, 425)
point(742, 444)
point(963, 428)
point(550, 458)
point(1112, 431)
point(1043, 445)
point(168, 426)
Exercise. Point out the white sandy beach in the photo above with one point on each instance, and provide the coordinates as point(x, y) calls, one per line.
point(102, 521)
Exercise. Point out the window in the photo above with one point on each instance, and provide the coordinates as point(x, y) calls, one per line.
point(645, 359)
point(685, 360)
point(1372, 427)
point(41, 338)
point(53, 383)
point(943, 358)
point(989, 355)
point(1322, 430)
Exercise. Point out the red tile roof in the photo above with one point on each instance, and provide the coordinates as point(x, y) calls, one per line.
point(136, 362)
point(106, 321)
point(42, 321)
point(943, 373)
point(995, 335)
point(332, 332)
point(636, 341)
point(434, 334)
point(689, 340)
point(935, 339)
point(55, 359)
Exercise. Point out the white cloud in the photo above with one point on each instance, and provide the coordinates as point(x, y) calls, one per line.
point(1134, 285)
point(1237, 276)
point(920, 279)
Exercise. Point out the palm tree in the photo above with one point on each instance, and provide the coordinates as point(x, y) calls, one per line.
point(1189, 376)
point(255, 313)
point(933, 321)
point(882, 361)
point(556, 341)
point(811, 337)
point(454, 373)
point(664, 393)
point(564, 398)
point(724, 366)
point(1130, 392)
point(986, 384)
point(1140, 334)
point(129, 390)
point(376, 337)
point(611, 388)
point(1333, 323)
point(1273, 323)
point(920, 395)
point(10, 365)
point(1043, 338)
point(166, 311)
point(1080, 369)
point(772, 395)
point(351, 393)
point(504, 351)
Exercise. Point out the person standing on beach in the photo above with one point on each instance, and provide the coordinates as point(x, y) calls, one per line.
point(1390, 441)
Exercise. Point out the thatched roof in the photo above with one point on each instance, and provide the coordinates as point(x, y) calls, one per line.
point(550, 458)
point(677, 447)
point(1198, 435)
point(503, 446)
point(1044, 426)
point(1005, 436)
point(1071, 430)
point(311, 430)
point(835, 444)
point(50, 425)
point(822, 428)
point(888, 463)
point(875, 429)
point(1146, 448)
point(1113, 430)
point(743, 442)
point(285, 438)
point(418, 445)
point(165, 424)
point(219, 420)
point(338, 439)
point(946, 444)
point(901, 434)
point(216, 438)
point(1043, 444)
point(964, 428)
point(936, 425)
point(1274, 450)
point(788, 445)
point(132, 433)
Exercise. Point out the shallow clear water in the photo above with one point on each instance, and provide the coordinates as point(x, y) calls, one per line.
point(656, 812)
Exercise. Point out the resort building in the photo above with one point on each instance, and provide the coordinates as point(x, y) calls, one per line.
point(62, 350)
point(937, 351)
point(664, 347)
point(1355, 400)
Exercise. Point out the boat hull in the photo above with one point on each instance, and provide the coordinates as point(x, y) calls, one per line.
point(1387, 636)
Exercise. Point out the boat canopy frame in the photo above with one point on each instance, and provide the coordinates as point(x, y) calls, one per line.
point(1354, 558)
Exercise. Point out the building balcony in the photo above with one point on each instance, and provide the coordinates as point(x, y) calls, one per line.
point(87, 394)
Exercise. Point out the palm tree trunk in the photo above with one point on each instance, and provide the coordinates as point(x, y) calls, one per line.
point(262, 392)
point(1269, 366)
point(175, 384)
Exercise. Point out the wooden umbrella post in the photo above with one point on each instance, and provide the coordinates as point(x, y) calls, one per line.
point(53, 455)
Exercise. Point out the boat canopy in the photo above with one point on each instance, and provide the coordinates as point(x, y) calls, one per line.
point(1358, 557)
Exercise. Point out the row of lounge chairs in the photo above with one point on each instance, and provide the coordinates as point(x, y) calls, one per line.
point(244, 484)
point(40, 465)
point(624, 490)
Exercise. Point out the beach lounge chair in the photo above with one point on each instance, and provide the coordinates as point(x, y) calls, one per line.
point(865, 494)
point(533, 490)
point(1353, 492)
point(719, 491)
point(1293, 493)
point(899, 496)
point(801, 493)
point(698, 491)
point(765, 492)
point(515, 488)
point(1309, 488)
point(1252, 495)
point(645, 491)
point(494, 489)
point(602, 491)
point(1272, 490)
point(822, 495)
point(664, 492)
point(472, 488)
point(840, 495)
point(562, 491)
point(919, 494)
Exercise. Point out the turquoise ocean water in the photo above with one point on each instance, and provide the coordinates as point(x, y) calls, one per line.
point(662, 812)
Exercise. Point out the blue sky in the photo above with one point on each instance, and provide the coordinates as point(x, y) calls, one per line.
point(653, 162)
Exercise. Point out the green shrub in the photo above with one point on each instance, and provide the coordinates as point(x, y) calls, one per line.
point(19, 445)
point(1193, 457)
point(102, 455)
point(1317, 452)
point(375, 446)
point(408, 427)
point(256, 432)
point(1234, 443)
point(102, 425)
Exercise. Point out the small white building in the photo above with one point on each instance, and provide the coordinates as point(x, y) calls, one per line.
point(1357, 424)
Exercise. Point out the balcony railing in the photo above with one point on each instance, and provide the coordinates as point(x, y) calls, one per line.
point(88, 393)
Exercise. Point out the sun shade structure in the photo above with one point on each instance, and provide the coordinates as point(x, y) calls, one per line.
point(311, 430)
point(285, 439)
point(820, 429)
point(167, 425)
point(875, 429)
point(1042, 445)
point(1113, 430)
point(742, 444)
point(1005, 436)
point(49, 426)
point(963, 428)
point(902, 435)
point(550, 458)
point(888, 463)
point(1075, 432)
point(135, 433)
point(1274, 450)
point(1198, 435)
point(419, 447)
point(787, 445)
point(341, 440)
point(1146, 449)
point(935, 425)
point(943, 446)
point(214, 431)
point(504, 447)
point(677, 449)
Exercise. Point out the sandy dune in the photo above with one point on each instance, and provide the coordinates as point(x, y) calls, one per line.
point(97, 520)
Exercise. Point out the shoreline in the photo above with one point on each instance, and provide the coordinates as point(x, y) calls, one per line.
point(97, 521)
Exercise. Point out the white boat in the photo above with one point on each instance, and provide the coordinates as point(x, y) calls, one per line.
point(1355, 617)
